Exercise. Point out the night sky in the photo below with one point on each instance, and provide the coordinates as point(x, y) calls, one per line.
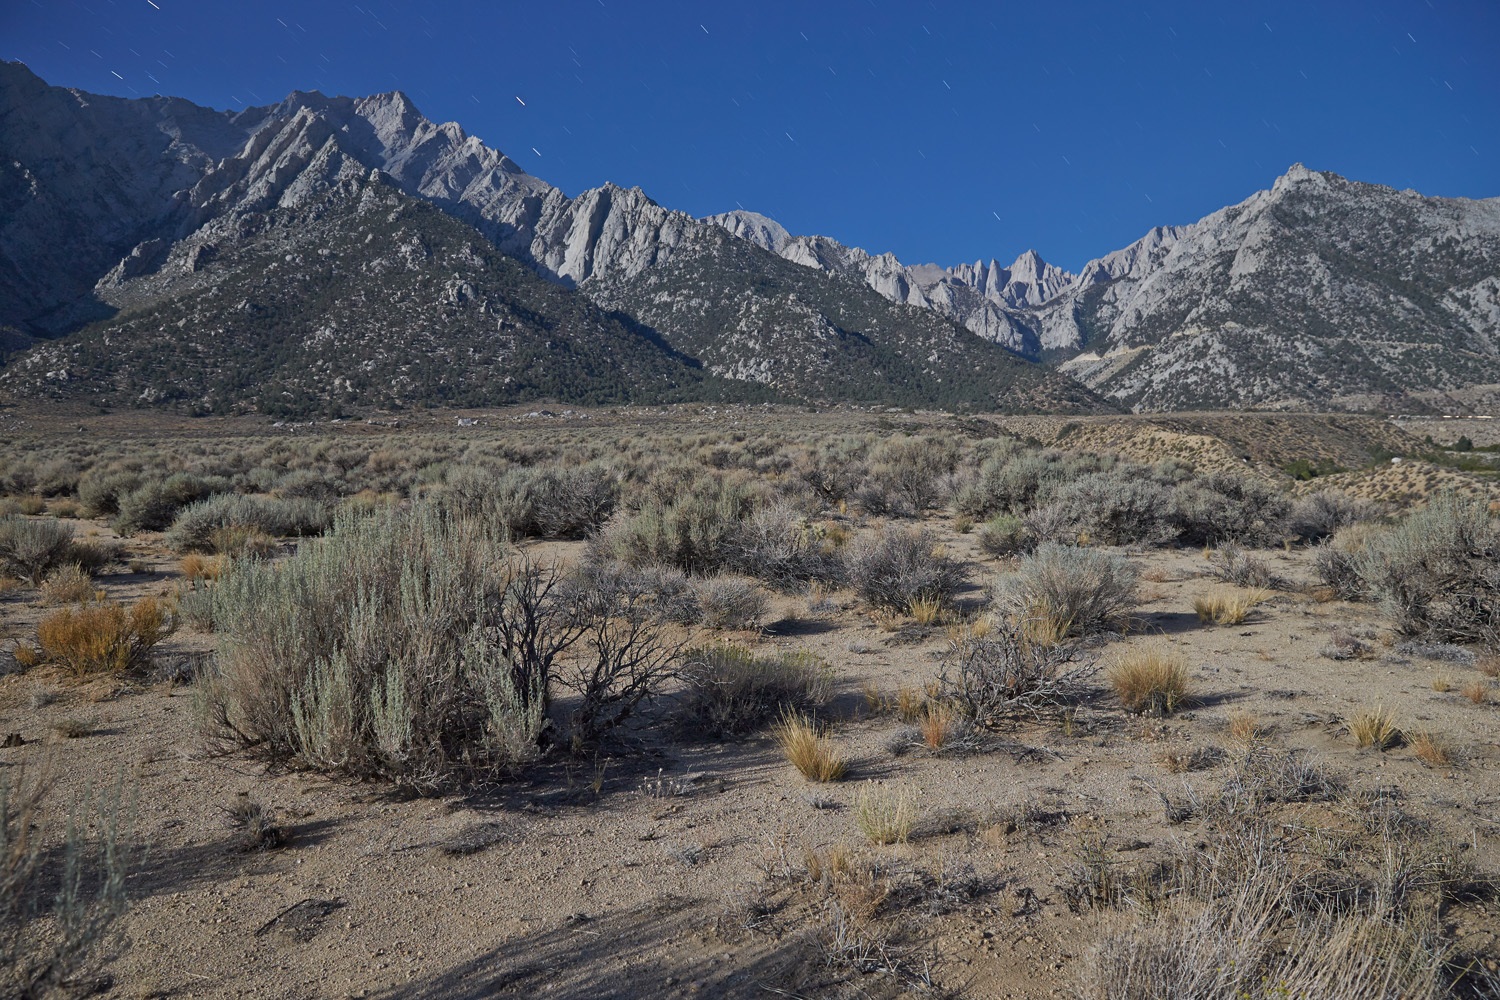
point(943, 132)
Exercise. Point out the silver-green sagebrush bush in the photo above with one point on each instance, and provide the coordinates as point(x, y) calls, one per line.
point(1437, 573)
point(405, 645)
point(198, 527)
point(895, 567)
point(1071, 591)
point(59, 901)
point(30, 548)
point(538, 502)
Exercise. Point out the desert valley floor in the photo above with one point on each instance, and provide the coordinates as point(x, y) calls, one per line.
point(663, 864)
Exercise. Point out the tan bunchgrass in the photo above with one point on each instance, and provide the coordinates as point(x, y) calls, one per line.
point(1431, 749)
point(70, 585)
point(1477, 691)
point(1489, 665)
point(1151, 678)
point(810, 752)
point(925, 611)
point(196, 567)
point(72, 727)
point(937, 725)
point(1375, 727)
point(883, 816)
point(1245, 728)
point(1042, 624)
point(1442, 684)
point(835, 862)
point(1229, 605)
point(909, 703)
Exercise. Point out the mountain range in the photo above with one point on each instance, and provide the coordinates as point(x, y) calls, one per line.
point(332, 253)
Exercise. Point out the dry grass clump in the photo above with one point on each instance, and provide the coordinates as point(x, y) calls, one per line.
point(939, 724)
point(239, 540)
point(255, 827)
point(1228, 605)
point(1151, 678)
point(910, 703)
point(106, 638)
point(1197, 759)
point(925, 611)
point(72, 727)
point(195, 567)
point(1431, 748)
point(1375, 727)
point(731, 690)
point(1479, 692)
point(808, 750)
point(1442, 684)
point(1246, 728)
point(70, 585)
point(1489, 665)
point(883, 816)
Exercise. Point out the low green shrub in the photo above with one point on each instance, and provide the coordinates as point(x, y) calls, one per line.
point(1437, 573)
point(1064, 591)
point(897, 567)
point(730, 690)
point(203, 526)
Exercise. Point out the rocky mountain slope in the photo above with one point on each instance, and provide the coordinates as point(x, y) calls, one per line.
point(985, 298)
point(748, 314)
point(355, 298)
point(1319, 293)
point(232, 261)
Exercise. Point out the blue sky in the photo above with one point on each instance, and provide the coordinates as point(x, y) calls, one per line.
point(940, 131)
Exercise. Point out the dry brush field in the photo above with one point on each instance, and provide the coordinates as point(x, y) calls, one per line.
point(746, 701)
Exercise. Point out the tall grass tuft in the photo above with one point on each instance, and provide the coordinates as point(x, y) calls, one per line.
point(732, 690)
point(1151, 679)
point(808, 750)
point(883, 816)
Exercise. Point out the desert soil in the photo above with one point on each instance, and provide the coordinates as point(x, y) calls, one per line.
point(651, 870)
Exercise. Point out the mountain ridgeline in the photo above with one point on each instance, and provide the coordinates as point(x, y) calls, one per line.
point(337, 254)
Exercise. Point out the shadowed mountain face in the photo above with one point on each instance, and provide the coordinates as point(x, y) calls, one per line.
point(1319, 292)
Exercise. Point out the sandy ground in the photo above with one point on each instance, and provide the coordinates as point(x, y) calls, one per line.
point(634, 874)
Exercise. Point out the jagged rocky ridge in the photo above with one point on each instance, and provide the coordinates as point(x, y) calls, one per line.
point(1320, 292)
point(181, 229)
